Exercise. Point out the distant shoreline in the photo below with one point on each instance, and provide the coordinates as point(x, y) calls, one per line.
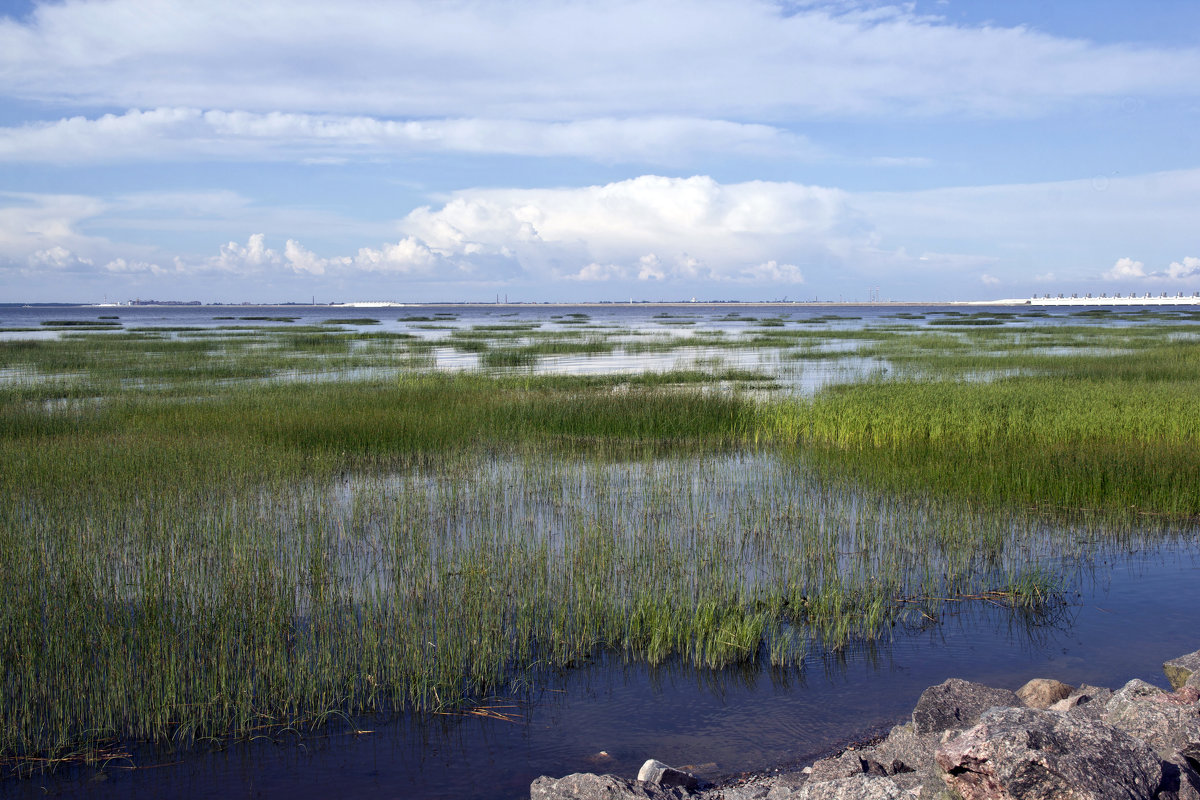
point(1030, 302)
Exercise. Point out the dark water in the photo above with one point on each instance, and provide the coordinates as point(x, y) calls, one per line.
point(1133, 611)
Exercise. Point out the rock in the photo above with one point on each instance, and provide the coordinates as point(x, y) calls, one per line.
point(1164, 720)
point(585, 786)
point(848, 764)
point(659, 774)
point(787, 786)
point(1194, 680)
point(1086, 699)
point(858, 787)
point(1043, 692)
point(747, 792)
point(1029, 754)
point(1179, 783)
point(1191, 753)
point(904, 750)
point(1180, 670)
point(956, 704)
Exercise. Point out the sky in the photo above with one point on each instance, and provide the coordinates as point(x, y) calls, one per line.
point(607, 150)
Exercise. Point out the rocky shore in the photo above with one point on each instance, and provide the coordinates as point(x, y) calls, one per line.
point(966, 741)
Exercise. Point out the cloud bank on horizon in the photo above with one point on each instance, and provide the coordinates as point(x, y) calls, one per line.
point(720, 149)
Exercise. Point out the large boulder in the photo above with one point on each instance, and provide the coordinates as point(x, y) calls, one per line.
point(908, 757)
point(1179, 670)
point(1168, 722)
point(905, 757)
point(659, 774)
point(956, 704)
point(1029, 754)
point(1043, 692)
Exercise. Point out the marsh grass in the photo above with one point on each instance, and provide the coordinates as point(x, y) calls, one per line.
point(191, 547)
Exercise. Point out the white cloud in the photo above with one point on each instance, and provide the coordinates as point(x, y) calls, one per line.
point(774, 272)
point(1181, 270)
point(549, 60)
point(252, 256)
point(405, 257)
point(654, 227)
point(1127, 268)
point(175, 133)
point(58, 258)
point(600, 272)
point(679, 233)
point(122, 267)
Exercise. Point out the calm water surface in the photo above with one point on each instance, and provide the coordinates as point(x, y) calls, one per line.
point(1133, 610)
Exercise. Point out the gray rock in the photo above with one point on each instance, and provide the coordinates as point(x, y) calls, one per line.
point(848, 764)
point(1166, 721)
point(747, 792)
point(1086, 700)
point(904, 750)
point(659, 774)
point(1180, 670)
point(858, 787)
point(1043, 692)
point(785, 787)
point(956, 704)
point(1194, 680)
point(586, 786)
point(1027, 754)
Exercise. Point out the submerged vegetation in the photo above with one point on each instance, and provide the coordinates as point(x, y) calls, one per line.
point(208, 530)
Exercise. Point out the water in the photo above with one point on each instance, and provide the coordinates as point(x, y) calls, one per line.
point(1139, 612)
point(1134, 609)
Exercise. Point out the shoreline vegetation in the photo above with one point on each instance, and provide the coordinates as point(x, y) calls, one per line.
point(212, 532)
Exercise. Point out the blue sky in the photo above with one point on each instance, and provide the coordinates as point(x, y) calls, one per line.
point(574, 151)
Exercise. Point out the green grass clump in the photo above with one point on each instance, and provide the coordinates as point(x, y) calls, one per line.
point(1112, 434)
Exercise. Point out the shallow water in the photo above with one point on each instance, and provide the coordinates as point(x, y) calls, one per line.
point(1134, 610)
point(1138, 612)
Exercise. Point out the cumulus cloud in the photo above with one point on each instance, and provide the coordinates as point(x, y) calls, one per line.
point(1127, 268)
point(174, 133)
point(550, 60)
point(662, 234)
point(58, 258)
point(405, 257)
point(1189, 267)
point(651, 228)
